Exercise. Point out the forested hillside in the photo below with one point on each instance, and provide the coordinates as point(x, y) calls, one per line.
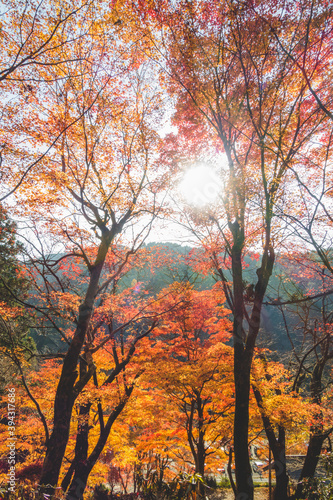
point(174, 262)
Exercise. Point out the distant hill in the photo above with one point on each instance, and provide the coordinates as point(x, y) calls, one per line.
point(171, 263)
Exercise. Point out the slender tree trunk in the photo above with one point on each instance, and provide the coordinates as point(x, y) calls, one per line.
point(278, 447)
point(85, 466)
point(229, 470)
point(201, 452)
point(67, 391)
point(317, 434)
point(311, 461)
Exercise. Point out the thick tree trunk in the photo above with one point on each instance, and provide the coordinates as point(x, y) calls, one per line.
point(242, 367)
point(243, 353)
point(311, 460)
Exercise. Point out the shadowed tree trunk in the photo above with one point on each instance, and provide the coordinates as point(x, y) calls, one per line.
point(243, 352)
point(317, 432)
point(278, 447)
point(84, 464)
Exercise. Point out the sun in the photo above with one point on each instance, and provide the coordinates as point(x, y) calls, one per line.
point(200, 185)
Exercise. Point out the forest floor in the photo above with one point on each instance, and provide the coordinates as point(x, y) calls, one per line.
point(227, 494)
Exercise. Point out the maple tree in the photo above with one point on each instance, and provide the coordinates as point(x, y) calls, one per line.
point(281, 410)
point(190, 364)
point(100, 178)
point(239, 93)
point(177, 417)
point(39, 41)
point(118, 324)
point(303, 33)
point(311, 350)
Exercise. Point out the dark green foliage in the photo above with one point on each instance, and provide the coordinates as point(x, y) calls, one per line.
point(11, 284)
point(14, 328)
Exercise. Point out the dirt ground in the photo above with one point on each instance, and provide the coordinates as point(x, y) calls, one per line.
point(259, 494)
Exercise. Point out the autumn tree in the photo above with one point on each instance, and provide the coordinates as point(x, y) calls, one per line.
point(309, 50)
point(92, 187)
point(308, 327)
point(236, 90)
point(15, 322)
point(118, 324)
point(282, 409)
point(181, 413)
point(309, 26)
point(190, 364)
point(241, 96)
point(39, 40)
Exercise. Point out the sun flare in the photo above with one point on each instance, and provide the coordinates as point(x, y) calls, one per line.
point(200, 185)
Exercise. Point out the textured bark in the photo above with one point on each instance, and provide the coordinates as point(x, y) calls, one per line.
point(243, 354)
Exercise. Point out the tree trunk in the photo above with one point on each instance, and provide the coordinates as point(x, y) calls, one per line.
point(317, 434)
point(278, 447)
point(84, 467)
point(81, 446)
point(67, 391)
point(311, 460)
point(201, 451)
point(280, 467)
point(242, 368)
point(243, 472)
point(229, 471)
point(243, 353)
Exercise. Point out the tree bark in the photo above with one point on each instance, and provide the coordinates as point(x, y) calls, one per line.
point(317, 434)
point(311, 461)
point(243, 354)
point(243, 473)
point(242, 367)
point(81, 445)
